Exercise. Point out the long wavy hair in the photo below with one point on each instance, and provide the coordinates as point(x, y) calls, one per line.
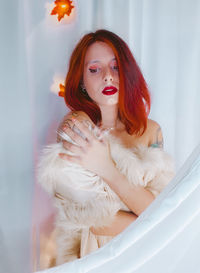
point(134, 98)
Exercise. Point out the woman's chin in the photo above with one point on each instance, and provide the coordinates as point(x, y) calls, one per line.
point(112, 101)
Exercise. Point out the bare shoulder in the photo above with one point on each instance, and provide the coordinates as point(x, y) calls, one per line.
point(155, 135)
point(79, 115)
point(152, 125)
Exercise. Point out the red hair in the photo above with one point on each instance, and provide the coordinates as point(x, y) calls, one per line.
point(134, 97)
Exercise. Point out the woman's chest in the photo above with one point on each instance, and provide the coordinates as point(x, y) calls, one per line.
point(130, 141)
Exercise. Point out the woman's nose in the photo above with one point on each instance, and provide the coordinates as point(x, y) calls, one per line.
point(108, 76)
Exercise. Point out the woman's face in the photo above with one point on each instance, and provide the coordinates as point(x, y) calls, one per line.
point(100, 75)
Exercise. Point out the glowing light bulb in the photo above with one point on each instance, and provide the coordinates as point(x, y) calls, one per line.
point(62, 8)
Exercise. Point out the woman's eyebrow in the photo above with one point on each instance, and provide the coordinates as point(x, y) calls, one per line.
point(92, 62)
point(97, 61)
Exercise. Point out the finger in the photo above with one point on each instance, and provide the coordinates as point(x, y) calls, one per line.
point(76, 130)
point(70, 158)
point(101, 136)
point(68, 122)
point(72, 148)
point(62, 127)
point(64, 124)
point(84, 129)
point(75, 137)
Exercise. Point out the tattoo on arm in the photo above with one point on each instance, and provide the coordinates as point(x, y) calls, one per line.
point(159, 138)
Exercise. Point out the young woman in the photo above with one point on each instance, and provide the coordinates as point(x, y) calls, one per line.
point(104, 86)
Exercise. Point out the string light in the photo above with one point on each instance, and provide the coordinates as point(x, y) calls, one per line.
point(62, 90)
point(62, 8)
point(58, 86)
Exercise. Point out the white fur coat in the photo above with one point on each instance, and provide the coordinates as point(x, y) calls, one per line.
point(83, 199)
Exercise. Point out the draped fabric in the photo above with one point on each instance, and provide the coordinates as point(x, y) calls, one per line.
point(35, 50)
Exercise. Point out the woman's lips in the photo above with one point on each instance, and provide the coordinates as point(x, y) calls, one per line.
point(109, 90)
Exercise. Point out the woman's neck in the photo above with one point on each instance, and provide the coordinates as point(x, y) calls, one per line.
point(109, 117)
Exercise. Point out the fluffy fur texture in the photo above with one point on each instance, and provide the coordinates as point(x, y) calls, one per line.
point(83, 199)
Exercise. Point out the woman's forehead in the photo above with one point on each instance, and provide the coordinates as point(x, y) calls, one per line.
point(98, 52)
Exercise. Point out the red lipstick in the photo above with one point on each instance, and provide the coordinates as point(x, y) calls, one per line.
point(109, 90)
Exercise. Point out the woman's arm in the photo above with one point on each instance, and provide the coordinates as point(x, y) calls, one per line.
point(122, 220)
point(136, 198)
point(155, 135)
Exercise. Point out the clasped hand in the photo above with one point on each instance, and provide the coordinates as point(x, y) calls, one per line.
point(90, 152)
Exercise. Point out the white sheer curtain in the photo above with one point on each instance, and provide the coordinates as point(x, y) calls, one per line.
point(164, 38)
point(16, 142)
point(165, 238)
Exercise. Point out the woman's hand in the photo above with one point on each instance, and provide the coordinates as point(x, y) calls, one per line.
point(121, 221)
point(91, 153)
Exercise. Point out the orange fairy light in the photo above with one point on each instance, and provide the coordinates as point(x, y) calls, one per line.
point(62, 90)
point(62, 7)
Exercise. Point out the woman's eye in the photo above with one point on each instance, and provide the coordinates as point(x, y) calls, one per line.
point(115, 67)
point(93, 70)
